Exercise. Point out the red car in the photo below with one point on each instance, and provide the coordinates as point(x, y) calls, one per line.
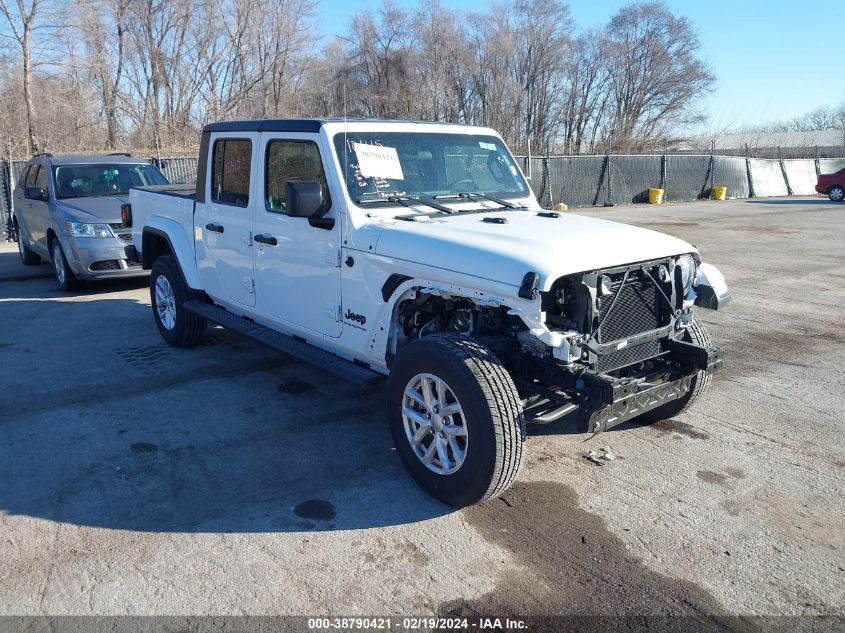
point(833, 185)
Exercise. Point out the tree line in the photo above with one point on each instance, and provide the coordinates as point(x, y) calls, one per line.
point(123, 74)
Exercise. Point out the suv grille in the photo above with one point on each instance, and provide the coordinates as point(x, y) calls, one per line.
point(119, 229)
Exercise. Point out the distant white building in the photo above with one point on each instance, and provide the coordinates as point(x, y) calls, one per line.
point(758, 140)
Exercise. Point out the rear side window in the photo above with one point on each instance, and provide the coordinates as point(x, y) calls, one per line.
point(41, 179)
point(292, 160)
point(30, 176)
point(230, 172)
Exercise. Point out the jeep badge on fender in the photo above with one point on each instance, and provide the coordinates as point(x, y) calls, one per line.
point(483, 311)
point(357, 318)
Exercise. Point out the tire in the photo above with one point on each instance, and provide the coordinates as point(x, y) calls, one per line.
point(697, 334)
point(490, 412)
point(177, 326)
point(836, 193)
point(28, 258)
point(64, 275)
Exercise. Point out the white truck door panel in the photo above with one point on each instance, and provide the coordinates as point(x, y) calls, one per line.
point(223, 225)
point(298, 278)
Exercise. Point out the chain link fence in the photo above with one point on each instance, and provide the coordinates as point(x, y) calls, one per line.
point(586, 181)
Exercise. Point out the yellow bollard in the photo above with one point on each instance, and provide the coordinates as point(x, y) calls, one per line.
point(719, 193)
point(561, 207)
point(655, 196)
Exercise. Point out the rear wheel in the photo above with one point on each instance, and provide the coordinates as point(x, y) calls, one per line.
point(168, 293)
point(836, 193)
point(64, 275)
point(27, 256)
point(456, 419)
point(697, 334)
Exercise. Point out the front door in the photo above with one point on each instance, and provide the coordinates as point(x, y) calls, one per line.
point(225, 252)
point(297, 260)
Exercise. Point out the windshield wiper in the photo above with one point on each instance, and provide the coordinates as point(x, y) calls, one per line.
point(473, 195)
point(406, 201)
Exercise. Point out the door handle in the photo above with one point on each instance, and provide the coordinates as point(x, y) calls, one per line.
point(266, 239)
point(213, 226)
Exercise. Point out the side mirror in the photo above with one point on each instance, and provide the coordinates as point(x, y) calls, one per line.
point(304, 198)
point(35, 193)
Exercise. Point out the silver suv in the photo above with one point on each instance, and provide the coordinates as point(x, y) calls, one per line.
point(68, 212)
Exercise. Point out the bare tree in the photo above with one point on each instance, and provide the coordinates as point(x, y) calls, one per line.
point(22, 19)
point(655, 77)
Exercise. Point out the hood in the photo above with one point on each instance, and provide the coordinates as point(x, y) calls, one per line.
point(91, 209)
point(550, 246)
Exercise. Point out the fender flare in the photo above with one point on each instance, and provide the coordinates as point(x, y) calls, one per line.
point(181, 247)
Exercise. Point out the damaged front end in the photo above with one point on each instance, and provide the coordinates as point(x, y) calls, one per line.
point(622, 342)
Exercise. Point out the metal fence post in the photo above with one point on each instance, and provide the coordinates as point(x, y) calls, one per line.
point(818, 166)
point(547, 168)
point(748, 172)
point(609, 163)
point(8, 193)
point(783, 173)
point(712, 167)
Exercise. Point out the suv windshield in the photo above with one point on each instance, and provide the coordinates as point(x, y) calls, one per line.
point(103, 179)
point(382, 165)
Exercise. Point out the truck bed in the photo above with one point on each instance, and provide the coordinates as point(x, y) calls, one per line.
point(182, 191)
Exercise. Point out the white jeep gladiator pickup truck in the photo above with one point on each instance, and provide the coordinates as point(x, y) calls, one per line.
point(417, 251)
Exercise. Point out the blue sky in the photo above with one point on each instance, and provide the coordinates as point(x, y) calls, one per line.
point(773, 60)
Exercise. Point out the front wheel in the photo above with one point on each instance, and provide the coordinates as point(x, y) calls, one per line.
point(64, 275)
point(836, 193)
point(168, 293)
point(696, 333)
point(456, 419)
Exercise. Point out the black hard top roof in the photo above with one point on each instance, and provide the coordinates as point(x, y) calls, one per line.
point(295, 125)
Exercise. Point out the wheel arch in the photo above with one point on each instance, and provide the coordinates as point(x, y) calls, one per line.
point(385, 343)
point(162, 236)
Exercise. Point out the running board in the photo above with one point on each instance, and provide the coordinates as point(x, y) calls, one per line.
point(346, 370)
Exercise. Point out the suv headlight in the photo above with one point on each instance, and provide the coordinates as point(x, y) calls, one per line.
point(686, 264)
point(81, 229)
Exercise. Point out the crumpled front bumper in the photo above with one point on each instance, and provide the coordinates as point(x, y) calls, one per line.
point(606, 401)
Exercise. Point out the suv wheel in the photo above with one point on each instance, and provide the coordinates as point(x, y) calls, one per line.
point(27, 256)
point(168, 293)
point(697, 334)
point(836, 193)
point(456, 419)
point(64, 275)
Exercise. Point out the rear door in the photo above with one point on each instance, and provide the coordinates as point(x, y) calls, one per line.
point(223, 224)
point(41, 208)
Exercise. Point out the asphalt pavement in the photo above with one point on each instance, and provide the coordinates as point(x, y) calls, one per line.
point(137, 479)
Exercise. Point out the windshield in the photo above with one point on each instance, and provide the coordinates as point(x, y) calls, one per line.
point(382, 165)
point(104, 179)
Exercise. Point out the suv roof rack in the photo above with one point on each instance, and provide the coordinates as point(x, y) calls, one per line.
point(45, 154)
point(119, 154)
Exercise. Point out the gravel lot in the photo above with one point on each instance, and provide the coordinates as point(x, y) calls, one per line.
point(227, 479)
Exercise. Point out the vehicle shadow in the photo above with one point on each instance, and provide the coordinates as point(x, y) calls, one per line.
point(803, 201)
point(226, 437)
point(12, 270)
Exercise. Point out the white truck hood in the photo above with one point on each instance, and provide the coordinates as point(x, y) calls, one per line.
point(551, 247)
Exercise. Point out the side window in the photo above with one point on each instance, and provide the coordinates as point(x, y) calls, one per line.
point(292, 160)
point(41, 179)
point(30, 175)
point(230, 172)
